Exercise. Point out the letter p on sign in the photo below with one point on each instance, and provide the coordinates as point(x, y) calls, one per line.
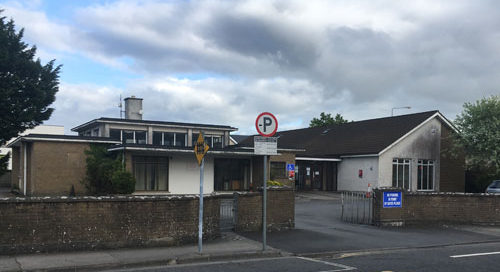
point(266, 124)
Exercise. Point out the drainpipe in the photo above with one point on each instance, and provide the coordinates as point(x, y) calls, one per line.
point(25, 170)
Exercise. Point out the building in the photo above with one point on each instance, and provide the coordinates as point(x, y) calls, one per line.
point(41, 129)
point(159, 154)
point(405, 151)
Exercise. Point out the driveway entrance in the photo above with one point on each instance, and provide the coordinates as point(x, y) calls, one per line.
point(319, 229)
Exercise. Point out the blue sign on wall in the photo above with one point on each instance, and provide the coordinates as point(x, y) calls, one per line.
point(392, 200)
point(290, 167)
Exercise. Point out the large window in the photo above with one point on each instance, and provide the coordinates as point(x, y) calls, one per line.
point(129, 136)
point(169, 139)
point(401, 173)
point(425, 175)
point(151, 173)
point(214, 141)
point(278, 170)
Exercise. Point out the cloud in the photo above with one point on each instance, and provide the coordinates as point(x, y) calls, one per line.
point(224, 61)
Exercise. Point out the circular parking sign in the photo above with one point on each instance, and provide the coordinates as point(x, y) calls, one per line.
point(266, 124)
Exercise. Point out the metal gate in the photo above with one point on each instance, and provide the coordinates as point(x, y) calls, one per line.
point(357, 207)
point(227, 214)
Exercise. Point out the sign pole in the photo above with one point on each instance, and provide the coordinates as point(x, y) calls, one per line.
point(200, 218)
point(264, 205)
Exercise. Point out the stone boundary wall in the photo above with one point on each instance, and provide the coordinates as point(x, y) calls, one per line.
point(48, 224)
point(43, 224)
point(280, 210)
point(438, 208)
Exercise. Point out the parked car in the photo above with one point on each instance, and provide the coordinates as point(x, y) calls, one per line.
point(494, 187)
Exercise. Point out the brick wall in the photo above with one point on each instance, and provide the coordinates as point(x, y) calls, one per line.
point(280, 210)
point(438, 208)
point(61, 223)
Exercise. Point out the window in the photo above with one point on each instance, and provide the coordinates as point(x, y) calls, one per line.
point(141, 137)
point(95, 132)
point(115, 134)
point(157, 138)
point(217, 142)
point(151, 173)
point(180, 139)
point(425, 175)
point(278, 170)
point(195, 138)
point(129, 136)
point(401, 173)
point(169, 139)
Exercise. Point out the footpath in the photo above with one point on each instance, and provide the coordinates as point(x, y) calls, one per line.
point(228, 246)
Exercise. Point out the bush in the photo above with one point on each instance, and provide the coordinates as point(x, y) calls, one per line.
point(274, 183)
point(104, 171)
point(123, 182)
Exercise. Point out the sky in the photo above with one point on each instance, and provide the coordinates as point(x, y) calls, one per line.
point(224, 62)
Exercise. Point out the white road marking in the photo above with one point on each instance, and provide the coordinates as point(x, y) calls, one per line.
point(476, 254)
point(176, 266)
point(343, 267)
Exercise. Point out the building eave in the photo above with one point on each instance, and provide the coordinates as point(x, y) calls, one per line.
point(436, 115)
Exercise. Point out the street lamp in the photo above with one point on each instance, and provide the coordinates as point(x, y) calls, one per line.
point(392, 110)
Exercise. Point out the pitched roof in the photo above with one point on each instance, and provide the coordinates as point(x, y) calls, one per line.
point(354, 138)
point(150, 122)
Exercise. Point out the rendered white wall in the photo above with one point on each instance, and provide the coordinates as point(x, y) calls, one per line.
point(184, 175)
point(424, 143)
point(348, 169)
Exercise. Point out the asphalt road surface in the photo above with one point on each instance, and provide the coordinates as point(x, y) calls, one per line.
point(476, 257)
point(322, 242)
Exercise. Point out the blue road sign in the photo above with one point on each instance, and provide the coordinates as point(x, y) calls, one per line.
point(290, 167)
point(392, 200)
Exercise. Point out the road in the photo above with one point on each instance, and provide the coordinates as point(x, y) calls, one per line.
point(322, 242)
point(439, 259)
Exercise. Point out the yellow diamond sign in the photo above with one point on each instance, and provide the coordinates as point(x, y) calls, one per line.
point(200, 148)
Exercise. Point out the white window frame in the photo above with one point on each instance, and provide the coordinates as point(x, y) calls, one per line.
point(426, 163)
point(395, 161)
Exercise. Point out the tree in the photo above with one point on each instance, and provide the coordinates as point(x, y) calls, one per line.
point(327, 119)
point(4, 161)
point(479, 137)
point(105, 173)
point(27, 87)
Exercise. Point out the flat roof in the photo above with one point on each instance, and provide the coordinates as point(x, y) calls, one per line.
point(62, 138)
point(152, 122)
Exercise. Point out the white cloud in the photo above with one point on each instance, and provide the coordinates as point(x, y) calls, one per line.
point(295, 58)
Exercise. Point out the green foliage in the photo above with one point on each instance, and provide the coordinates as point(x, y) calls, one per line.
point(103, 171)
point(479, 126)
point(4, 162)
point(27, 86)
point(123, 182)
point(327, 119)
point(274, 183)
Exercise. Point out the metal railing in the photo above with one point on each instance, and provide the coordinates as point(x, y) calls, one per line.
point(357, 207)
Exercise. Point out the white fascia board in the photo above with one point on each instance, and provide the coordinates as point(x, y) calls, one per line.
point(279, 149)
point(28, 139)
point(232, 139)
point(167, 125)
point(316, 159)
point(437, 114)
point(176, 150)
point(360, 156)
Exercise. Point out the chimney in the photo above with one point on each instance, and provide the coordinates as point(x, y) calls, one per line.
point(133, 108)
